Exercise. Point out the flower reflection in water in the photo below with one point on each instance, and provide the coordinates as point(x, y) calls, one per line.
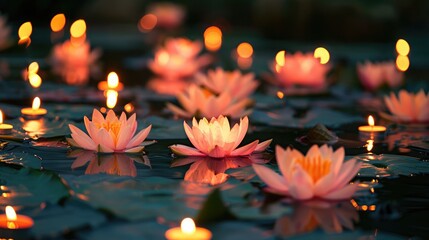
point(212, 170)
point(308, 216)
point(120, 164)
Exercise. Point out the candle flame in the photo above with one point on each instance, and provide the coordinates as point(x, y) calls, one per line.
point(58, 22)
point(78, 28)
point(147, 22)
point(280, 58)
point(213, 38)
point(112, 98)
point(402, 47)
point(323, 54)
point(188, 226)
point(36, 103)
point(371, 121)
point(280, 94)
point(1, 119)
point(245, 50)
point(25, 30)
point(10, 213)
point(402, 63)
point(35, 80)
point(33, 68)
point(112, 80)
point(370, 145)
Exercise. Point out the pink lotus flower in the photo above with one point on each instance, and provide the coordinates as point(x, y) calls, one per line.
point(178, 59)
point(319, 174)
point(169, 15)
point(301, 69)
point(374, 75)
point(197, 101)
point(74, 62)
point(110, 134)
point(216, 139)
point(237, 84)
point(409, 107)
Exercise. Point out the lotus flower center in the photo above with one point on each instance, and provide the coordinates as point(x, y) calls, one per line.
point(316, 167)
point(112, 127)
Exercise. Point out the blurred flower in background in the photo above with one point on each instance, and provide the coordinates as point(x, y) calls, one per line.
point(374, 75)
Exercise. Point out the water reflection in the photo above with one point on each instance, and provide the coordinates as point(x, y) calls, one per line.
point(309, 216)
point(212, 170)
point(115, 164)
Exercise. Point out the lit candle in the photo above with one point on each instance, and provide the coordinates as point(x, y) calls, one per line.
point(112, 83)
point(4, 128)
point(11, 220)
point(35, 112)
point(188, 231)
point(371, 131)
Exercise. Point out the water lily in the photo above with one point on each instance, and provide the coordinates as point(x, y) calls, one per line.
point(238, 84)
point(409, 107)
point(302, 70)
point(168, 15)
point(321, 173)
point(110, 134)
point(374, 75)
point(197, 101)
point(216, 139)
point(178, 59)
point(74, 62)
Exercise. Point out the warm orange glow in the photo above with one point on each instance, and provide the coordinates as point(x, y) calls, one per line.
point(35, 80)
point(402, 63)
point(280, 94)
point(316, 167)
point(10, 213)
point(188, 226)
point(103, 110)
point(1, 120)
point(402, 47)
point(78, 28)
point(58, 22)
point(36, 103)
point(33, 68)
point(245, 50)
point(147, 22)
point(364, 207)
point(354, 203)
point(323, 54)
point(129, 107)
point(371, 121)
point(163, 58)
point(370, 145)
point(112, 80)
point(280, 58)
point(112, 98)
point(25, 30)
point(244, 63)
point(213, 38)
point(372, 208)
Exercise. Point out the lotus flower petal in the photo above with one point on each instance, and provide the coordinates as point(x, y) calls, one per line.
point(409, 107)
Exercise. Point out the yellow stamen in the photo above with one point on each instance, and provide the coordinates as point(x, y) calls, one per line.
point(316, 167)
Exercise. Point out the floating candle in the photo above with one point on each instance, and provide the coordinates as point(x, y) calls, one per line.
point(35, 112)
point(188, 231)
point(112, 83)
point(371, 131)
point(4, 128)
point(11, 220)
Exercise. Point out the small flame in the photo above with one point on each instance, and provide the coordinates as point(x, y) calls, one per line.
point(36, 103)
point(147, 22)
point(78, 28)
point(188, 226)
point(112, 98)
point(25, 30)
point(402, 63)
point(402, 47)
point(1, 120)
point(213, 38)
point(58, 22)
point(371, 121)
point(33, 68)
point(280, 58)
point(10, 213)
point(323, 54)
point(370, 145)
point(245, 50)
point(35, 80)
point(112, 80)
point(280, 94)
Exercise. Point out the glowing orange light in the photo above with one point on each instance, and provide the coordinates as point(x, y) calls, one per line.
point(1, 120)
point(371, 121)
point(370, 145)
point(35, 80)
point(280, 58)
point(25, 30)
point(103, 110)
point(323, 54)
point(245, 50)
point(402, 47)
point(372, 208)
point(213, 38)
point(280, 94)
point(33, 68)
point(112, 80)
point(112, 98)
point(58, 22)
point(354, 203)
point(36, 103)
point(129, 107)
point(402, 63)
point(147, 22)
point(364, 208)
point(10, 213)
point(78, 28)
point(188, 226)
point(163, 58)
